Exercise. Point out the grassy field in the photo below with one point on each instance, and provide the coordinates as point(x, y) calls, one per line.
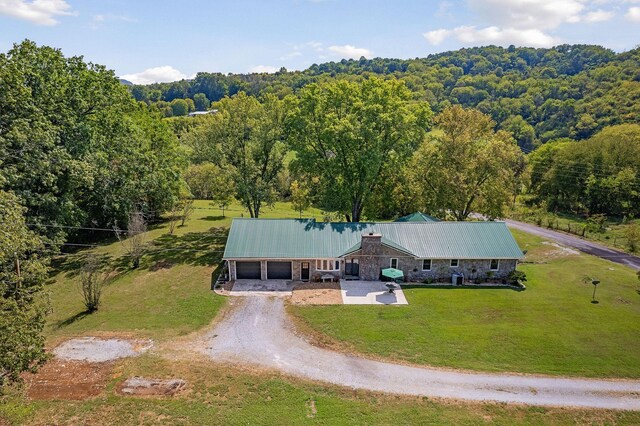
point(220, 395)
point(168, 295)
point(550, 328)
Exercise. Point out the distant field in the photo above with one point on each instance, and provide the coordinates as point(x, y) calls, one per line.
point(550, 328)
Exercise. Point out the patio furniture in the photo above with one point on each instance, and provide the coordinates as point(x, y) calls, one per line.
point(326, 277)
point(393, 274)
point(391, 287)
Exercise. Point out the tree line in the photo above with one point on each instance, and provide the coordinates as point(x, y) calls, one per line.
point(76, 150)
point(538, 95)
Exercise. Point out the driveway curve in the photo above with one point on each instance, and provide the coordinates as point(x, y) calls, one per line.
point(586, 246)
point(256, 331)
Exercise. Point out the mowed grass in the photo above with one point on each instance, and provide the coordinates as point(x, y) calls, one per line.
point(169, 295)
point(550, 328)
point(218, 394)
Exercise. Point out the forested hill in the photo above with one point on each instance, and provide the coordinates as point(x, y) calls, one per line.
point(537, 94)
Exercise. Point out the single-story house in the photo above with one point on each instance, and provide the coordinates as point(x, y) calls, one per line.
point(303, 249)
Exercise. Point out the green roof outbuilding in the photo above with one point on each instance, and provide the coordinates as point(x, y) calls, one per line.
point(417, 217)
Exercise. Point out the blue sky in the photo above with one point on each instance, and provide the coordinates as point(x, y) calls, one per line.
point(160, 40)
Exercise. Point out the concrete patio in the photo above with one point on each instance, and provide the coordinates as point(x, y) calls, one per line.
point(370, 293)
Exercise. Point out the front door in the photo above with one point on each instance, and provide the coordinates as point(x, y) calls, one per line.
point(304, 271)
point(352, 267)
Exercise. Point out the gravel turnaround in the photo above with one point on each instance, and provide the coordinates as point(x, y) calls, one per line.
point(258, 332)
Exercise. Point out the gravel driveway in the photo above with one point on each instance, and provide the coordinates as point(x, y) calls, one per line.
point(258, 332)
point(589, 247)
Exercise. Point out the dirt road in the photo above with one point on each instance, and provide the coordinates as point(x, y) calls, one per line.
point(258, 332)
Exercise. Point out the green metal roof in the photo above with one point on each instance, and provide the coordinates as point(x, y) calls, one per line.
point(308, 239)
point(417, 217)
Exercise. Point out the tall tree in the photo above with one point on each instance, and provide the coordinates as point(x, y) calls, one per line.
point(76, 148)
point(346, 135)
point(23, 270)
point(466, 166)
point(246, 137)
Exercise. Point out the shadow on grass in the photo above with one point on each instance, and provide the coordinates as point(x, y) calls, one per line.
point(72, 264)
point(213, 218)
point(72, 319)
point(194, 248)
point(463, 287)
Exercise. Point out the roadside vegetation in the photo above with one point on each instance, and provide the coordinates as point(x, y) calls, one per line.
point(615, 232)
point(550, 328)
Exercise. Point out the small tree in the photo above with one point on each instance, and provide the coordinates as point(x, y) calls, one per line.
point(174, 216)
point(187, 211)
point(92, 280)
point(299, 197)
point(134, 238)
point(633, 237)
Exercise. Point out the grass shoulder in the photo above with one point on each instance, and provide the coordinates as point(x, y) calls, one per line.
point(218, 394)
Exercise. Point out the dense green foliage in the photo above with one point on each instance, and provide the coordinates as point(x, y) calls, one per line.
point(346, 136)
point(23, 270)
point(245, 138)
point(538, 94)
point(74, 145)
point(466, 167)
point(599, 175)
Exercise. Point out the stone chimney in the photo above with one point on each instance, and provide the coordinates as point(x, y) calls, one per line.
point(371, 244)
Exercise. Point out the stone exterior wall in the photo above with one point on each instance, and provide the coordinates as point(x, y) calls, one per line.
point(379, 257)
point(472, 269)
point(374, 256)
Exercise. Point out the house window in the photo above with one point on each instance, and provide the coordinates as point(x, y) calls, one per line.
point(495, 264)
point(393, 263)
point(426, 264)
point(327, 265)
point(454, 263)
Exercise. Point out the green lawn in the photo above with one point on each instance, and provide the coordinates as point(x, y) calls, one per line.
point(168, 295)
point(550, 328)
point(223, 395)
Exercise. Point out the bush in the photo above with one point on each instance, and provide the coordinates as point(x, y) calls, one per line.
point(91, 282)
point(517, 277)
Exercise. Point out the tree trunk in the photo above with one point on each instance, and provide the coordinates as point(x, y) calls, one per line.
point(356, 211)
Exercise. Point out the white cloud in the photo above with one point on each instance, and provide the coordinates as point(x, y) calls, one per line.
point(39, 12)
point(350, 52)
point(263, 69)
point(528, 14)
point(291, 55)
point(521, 22)
point(633, 14)
point(164, 74)
point(436, 37)
point(492, 35)
point(98, 20)
point(597, 16)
